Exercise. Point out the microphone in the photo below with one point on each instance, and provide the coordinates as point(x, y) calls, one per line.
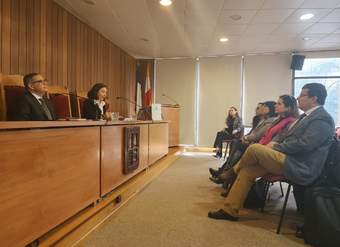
point(141, 109)
point(130, 101)
point(171, 99)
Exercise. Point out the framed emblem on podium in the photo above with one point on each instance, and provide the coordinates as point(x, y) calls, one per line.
point(131, 148)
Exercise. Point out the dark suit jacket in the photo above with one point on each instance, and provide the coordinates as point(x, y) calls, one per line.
point(29, 109)
point(92, 110)
point(306, 147)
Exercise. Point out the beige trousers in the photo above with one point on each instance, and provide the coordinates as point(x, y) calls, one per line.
point(257, 161)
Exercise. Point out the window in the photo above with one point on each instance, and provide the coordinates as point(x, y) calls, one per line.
point(327, 72)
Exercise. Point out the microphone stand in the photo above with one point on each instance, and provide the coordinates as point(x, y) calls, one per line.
point(171, 99)
point(141, 109)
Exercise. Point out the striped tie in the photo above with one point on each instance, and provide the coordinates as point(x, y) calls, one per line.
point(45, 108)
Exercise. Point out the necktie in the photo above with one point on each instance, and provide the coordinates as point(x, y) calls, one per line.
point(297, 121)
point(301, 117)
point(45, 108)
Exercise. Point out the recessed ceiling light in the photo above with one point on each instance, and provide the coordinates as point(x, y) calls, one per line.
point(224, 39)
point(236, 17)
point(165, 2)
point(91, 2)
point(306, 17)
point(306, 38)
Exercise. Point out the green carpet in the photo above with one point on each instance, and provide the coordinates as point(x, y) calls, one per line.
point(172, 211)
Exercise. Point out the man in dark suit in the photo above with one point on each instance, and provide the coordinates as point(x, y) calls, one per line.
point(34, 105)
point(300, 156)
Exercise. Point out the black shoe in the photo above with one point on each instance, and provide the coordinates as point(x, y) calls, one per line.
point(299, 232)
point(221, 215)
point(224, 193)
point(217, 156)
point(214, 172)
point(217, 180)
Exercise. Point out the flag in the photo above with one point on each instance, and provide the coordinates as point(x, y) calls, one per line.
point(148, 91)
point(139, 97)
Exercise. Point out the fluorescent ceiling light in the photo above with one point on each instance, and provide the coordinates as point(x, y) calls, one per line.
point(224, 39)
point(306, 17)
point(165, 2)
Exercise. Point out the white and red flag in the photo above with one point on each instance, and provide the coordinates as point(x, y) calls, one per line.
point(148, 91)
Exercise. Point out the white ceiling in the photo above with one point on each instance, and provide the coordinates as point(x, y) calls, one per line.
point(192, 28)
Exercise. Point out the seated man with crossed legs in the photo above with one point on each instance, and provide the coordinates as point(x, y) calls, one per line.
point(300, 157)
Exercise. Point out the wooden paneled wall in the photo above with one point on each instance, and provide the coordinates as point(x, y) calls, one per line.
point(40, 36)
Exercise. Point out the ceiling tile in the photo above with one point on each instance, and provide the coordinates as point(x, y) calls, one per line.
point(136, 21)
point(272, 15)
point(243, 4)
point(279, 4)
point(326, 45)
point(207, 17)
point(322, 28)
point(291, 29)
point(322, 4)
point(334, 16)
point(318, 14)
point(204, 4)
point(331, 38)
point(246, 16)
point(230, 29)
point(261, 28)
point(310, 38)
point(100, 8)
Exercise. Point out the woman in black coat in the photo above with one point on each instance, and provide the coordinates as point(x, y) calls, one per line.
point(233, 130)
point(95, 107)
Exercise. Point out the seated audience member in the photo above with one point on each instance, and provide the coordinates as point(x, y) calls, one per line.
point(287, 110)
point(257, 118)
point(95, 107)
point(266, 114)
point(233, 130)
point(34, 106)
point(337, 132)
point(300, 156)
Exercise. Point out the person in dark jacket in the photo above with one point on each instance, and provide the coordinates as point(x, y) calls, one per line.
point(34, 105)
point(96, 107)
point(233, 130)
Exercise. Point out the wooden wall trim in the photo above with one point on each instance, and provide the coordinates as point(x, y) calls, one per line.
point(41, 36)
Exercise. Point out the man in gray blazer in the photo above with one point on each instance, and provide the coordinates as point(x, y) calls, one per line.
point(300, 156)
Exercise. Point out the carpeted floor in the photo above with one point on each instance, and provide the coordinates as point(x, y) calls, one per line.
point(172, 211)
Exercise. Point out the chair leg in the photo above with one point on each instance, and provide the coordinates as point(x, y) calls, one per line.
point(226, 151)
point(282, 194)
point(265, 193)
point(283, 209)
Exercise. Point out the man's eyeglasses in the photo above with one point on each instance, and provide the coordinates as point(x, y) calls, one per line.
point(303, 95)
point(40, 81)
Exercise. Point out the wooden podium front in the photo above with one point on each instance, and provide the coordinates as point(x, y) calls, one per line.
point(171, 113)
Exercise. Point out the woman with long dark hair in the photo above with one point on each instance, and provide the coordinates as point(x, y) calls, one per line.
point(96, 107)
point(233, 130)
